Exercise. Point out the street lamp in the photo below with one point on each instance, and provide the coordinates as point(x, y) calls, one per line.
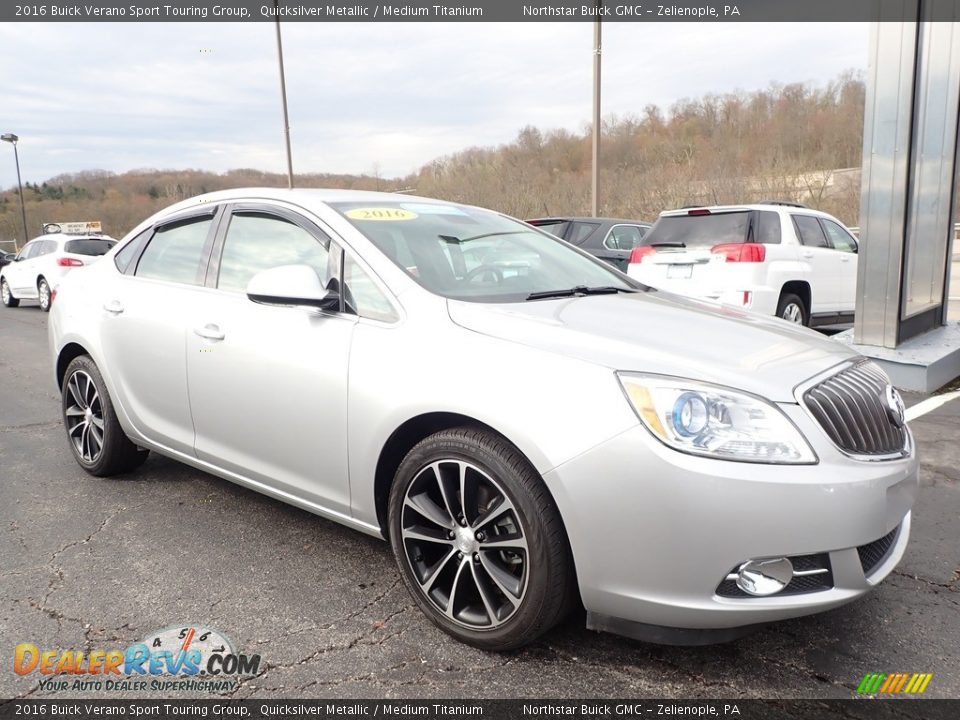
point(12, 139)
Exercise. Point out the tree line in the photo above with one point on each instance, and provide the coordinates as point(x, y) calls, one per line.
point(784, 142)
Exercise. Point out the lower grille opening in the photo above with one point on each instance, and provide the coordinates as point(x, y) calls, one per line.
point(872, 554)
point(799, 585)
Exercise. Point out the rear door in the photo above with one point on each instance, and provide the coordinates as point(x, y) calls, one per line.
point(822, 263)
point(19, 268)
point(144, 329)
point(845, 245)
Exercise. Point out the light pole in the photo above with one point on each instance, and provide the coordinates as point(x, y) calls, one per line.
point(12, 139)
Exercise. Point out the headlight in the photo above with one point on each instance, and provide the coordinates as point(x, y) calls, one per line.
point(715, 421)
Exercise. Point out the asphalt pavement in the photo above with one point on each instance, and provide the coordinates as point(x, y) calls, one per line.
point(88, 563)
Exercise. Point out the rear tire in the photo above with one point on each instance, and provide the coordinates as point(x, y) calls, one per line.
point(97, 440)
point(503, 575)
point(43, 294)
point(8, 299)
point(792, 309)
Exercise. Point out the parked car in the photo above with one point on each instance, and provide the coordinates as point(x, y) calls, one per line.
point(6, 258)
point(778, 259)
point(526, 430)
point(609, 239)
point(43, 262)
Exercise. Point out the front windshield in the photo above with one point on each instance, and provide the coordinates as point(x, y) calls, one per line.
point(466, 253)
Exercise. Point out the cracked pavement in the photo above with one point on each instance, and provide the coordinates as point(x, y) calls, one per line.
point(99, 563)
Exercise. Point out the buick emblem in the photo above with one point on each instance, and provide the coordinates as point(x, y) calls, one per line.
point(895, 410)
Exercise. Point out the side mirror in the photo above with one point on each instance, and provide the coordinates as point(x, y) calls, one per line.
point(292, 285)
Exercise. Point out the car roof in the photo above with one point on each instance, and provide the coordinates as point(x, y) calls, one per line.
point(69, 236)
point(746, 208)
point(576, 218)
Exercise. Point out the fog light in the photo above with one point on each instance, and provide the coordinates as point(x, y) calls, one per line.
point(764, 577)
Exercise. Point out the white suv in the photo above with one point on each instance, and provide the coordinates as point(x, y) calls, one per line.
point(774, 258)
point(39, 266)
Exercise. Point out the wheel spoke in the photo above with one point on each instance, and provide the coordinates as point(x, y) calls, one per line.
point(426, 507)
point(453, 588)
point(494, 513)
point(484, 592)
point(74, 411)
point(96, 439)
point(414, 534)
point(448, 506)
point(427, 583)
point(79, 426)
point(74, 387)
point(463, 492)
point(502, 543)
point(98, 422)
point(508, 584)
point(85, 442)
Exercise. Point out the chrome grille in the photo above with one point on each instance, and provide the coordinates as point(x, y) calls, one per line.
point(851, 407)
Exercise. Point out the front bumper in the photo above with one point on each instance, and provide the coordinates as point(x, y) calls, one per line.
point(654, 531)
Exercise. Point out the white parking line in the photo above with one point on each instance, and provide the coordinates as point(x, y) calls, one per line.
point(922, 408)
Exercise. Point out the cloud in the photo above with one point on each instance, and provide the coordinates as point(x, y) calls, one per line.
point(392, 96)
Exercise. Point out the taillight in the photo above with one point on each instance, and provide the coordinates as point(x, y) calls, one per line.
point(741, 252)
point(69, 262)
point(640, 252)
point(698, 211)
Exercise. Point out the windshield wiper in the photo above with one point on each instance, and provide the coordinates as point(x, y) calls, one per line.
point(456, 240)
point(580, 290)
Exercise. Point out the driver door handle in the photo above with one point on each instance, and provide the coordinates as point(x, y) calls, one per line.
point(113, 307)
point(807, 255)
point(210, 332)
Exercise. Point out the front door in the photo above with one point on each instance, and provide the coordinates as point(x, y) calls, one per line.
point(268, 384)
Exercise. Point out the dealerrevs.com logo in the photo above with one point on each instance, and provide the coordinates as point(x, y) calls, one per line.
point(181, 657)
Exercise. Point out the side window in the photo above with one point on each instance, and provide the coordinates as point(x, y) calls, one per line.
point(623, 237)
point(809, 231)
point(768, 227)
point(44, 247)
point(27, 252)
point(175, 252)
point(580, 231)
point(839, 238)
point(257, 241)
point(362, 295)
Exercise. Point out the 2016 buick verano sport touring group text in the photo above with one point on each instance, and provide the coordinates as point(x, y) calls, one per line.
point(528, 427)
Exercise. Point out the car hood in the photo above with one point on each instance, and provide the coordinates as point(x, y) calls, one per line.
point(658, 332)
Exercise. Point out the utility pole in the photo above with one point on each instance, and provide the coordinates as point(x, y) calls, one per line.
point(595, 177)
point(12, 139)
point(283, 95)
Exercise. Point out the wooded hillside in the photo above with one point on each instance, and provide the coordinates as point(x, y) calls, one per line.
point(781, 143)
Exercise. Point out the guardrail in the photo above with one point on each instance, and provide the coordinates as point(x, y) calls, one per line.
point(8, 246)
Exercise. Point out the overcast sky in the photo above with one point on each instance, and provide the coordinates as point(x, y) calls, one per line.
point(366, 96)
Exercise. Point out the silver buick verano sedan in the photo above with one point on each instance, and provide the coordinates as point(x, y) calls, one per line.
point(525, 425)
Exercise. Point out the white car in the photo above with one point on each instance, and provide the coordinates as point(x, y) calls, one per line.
point(38, 268)
point(778, 259)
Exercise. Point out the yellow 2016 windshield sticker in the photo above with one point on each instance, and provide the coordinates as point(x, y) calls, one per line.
point(380, 213)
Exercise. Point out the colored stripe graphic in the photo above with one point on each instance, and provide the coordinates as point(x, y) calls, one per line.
point(894, 683)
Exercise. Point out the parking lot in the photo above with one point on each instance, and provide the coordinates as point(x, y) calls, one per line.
point(99, 563)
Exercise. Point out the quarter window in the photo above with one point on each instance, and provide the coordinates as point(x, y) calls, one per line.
point(810, 232)
point(257, 241)
point(175, 253)
point(768, 228)
point(362, 295)
point(623, 237)
point(580, 231)
point(839, 238)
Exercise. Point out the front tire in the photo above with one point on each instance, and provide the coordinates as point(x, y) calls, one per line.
point(479, 540)
point(792, 309)
point(96, 438)
point(43, 293)
point(8, 299)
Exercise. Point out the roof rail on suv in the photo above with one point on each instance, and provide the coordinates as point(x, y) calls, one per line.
point(785, 203)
